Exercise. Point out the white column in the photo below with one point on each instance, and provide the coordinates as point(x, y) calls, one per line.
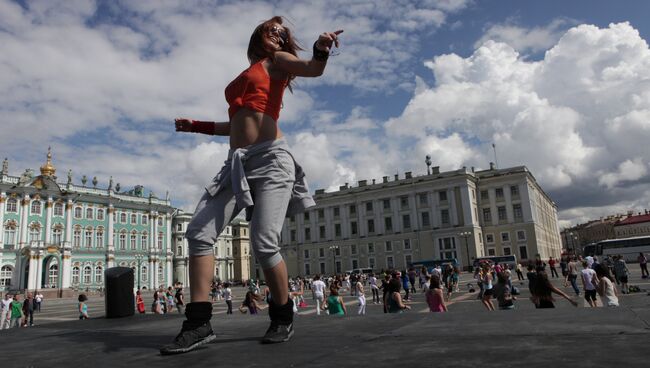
point(24, 216)
point(110, 249)
point(68, 222)
point(33, 270)
point(510, 216)
point(48, 220)
point(169, 234)
point(170, 269)
point(3, 200)
point(453, 213)
point(66, 267)
point(152, 228)
point(39, 269)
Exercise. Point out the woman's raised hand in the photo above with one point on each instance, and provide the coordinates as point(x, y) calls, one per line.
point(183, 125)
point(327, 39)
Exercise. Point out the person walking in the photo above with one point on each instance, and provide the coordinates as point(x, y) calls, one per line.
point(572, 275)
point(180, 299)
point(503, 292)
point(29, 305)
point(589, 283)
point(318, 293)
point(334, 303)
point(374, 288)
point(361, 297)
point(385, 288)
point(260, 176)
point(412, 274)
point(227, 296)
point(488, 291)
point(605, 287)
point(543, 291)
point(5, 311)
point(82, 306)
point(405, 285)
point(520, 274)
point(38, 298)
point(139, 302)
point(551, 265)
point(643, 264)
point(622, 273)
point(16, 312)
point(434, 295)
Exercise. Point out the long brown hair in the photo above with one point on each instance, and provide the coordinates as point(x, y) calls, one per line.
point(256, 50)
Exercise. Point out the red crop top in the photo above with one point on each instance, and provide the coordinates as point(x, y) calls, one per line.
point(254, 89)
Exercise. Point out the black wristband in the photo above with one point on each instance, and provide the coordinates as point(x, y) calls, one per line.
point(320, 55)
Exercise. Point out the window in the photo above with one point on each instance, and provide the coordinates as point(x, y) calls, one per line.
point(484, 195)
point(58, 209)
point(442, 196)
point(179, 227)
point(353, 250)
point(306, 215)
point(371, 263)
point(76, 237)
point(407, 244)
point(388, 224)
point(498, 192)
point(516, 209)
point(523, 252)
point(145, 220)
point(12, 205)
point(321, 232)
point(78, 211)
point(160, 240)
point(444, 217)
point(404, 202)
point(57, 234)
point(338, 266)
point(322, 267)
point(99, 275)
point(100, 214)
point(88, 238)
point(423, 198)
point(134, 219)
point(353, 228)
point(492, 252)
point(307, 269)
point(75, 275)
point(123, 218)
point(368, 206)
point(487, 215)
point(292, 235)
point(505, 237)
point(307, 234)
point(306, 253)
point(389, 246)
point(34, 232)
point(179, 250)
point(337, 230)
point(321, 214)
point(371, 226)
point(53, 275)
point(337, 251)
point(386, 204)
point(406, 221)
point(5, 275)
point(489, 238)
point(99, 237)
point(144, 274)
point(160, 221)
point(36, 208)
point(88, 272)
point(89, 213)
point(161, 275)
point(133, 241)
point(408, 259)
point(355, 264)
point(353, 209)
point(521, 235)
point(506, 251)
point(10, 232)
point(122, 243)
point(389, 262)
point(321, 252)
point(425, 219)
point(514, 191)
point(114, 216)
point(501, 210)
point(337, 212)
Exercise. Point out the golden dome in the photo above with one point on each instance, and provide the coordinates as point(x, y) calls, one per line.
point(48, 169)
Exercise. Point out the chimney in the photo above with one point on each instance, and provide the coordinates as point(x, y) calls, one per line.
point(472, 168)
point(385, 179)
point(362, 183)
point(492, 167)
point(435, 170)
point(408, 175)
point(396, 177)
point(343, 187)
point(320, 191)
point(373, 181)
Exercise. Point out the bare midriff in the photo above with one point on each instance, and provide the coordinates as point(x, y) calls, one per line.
point(251, 127)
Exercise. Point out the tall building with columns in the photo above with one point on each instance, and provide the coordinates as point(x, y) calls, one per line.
point(60, 236)
point(461, 214)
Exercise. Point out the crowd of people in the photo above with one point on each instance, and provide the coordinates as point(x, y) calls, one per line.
point(14, 313)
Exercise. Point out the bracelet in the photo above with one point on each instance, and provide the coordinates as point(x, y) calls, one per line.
point(320, 55)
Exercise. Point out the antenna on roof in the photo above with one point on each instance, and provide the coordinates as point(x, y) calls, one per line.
point(496, 162)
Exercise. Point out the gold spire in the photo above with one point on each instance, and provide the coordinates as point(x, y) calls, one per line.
point(48, 169)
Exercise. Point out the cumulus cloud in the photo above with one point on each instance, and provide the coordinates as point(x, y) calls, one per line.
point(628, 170)
point(526, 40)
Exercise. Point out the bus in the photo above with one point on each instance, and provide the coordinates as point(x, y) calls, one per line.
point(509, 260)
point(629, 248)
point(432, 263)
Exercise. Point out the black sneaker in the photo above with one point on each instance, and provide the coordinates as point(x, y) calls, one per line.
point(190, 338)
point(278, 332)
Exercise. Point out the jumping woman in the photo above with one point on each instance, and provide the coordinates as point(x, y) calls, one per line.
point(260, 176)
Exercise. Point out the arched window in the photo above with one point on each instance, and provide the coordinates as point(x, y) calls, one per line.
point(78, 211)
point(89, 213)
point(99, 237)
point(58, 209)
point(53, 274)
point(99, 275)
point(12, 205)
point(123, 218)
point(134, 240)
point(88, 273)
point(123, 240)
point(144, 241)
point(76, 237)
point(134, 219)
point(160, 221)
point(160, 240)
point(36, 207)
point(34, 232)
point(57, 234)
point(5, 275)
point(145, 220)
point(100, 214)
point(75, 275)
point(179, 251)
point(88, 237)
point(143, 274)
point(10, 232)
point(161, 275)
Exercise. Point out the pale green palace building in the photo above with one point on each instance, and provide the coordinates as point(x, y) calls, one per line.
point(58, 236)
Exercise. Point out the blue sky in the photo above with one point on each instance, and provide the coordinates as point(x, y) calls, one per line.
point(560, 86)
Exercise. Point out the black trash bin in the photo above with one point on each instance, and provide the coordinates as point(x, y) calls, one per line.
point(119, 292)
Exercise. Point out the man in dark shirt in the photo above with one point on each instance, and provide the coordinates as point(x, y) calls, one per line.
point(28, 309)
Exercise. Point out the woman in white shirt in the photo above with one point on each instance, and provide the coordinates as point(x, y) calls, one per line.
point(605, 287)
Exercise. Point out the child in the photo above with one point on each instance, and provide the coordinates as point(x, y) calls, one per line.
point(83, 307)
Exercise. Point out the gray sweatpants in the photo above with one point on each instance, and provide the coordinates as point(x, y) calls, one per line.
point(271, 176)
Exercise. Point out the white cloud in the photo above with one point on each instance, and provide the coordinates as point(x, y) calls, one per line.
point(524, 39)
point(628, 170)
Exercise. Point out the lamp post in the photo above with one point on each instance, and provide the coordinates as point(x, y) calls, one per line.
point(466, 235)
point(427, 160)
point(139, 258)
point(334, 248)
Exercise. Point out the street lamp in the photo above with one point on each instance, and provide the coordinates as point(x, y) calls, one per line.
point(466, 235)
point(334, 248)
point(427, 161)
point(139, 258)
